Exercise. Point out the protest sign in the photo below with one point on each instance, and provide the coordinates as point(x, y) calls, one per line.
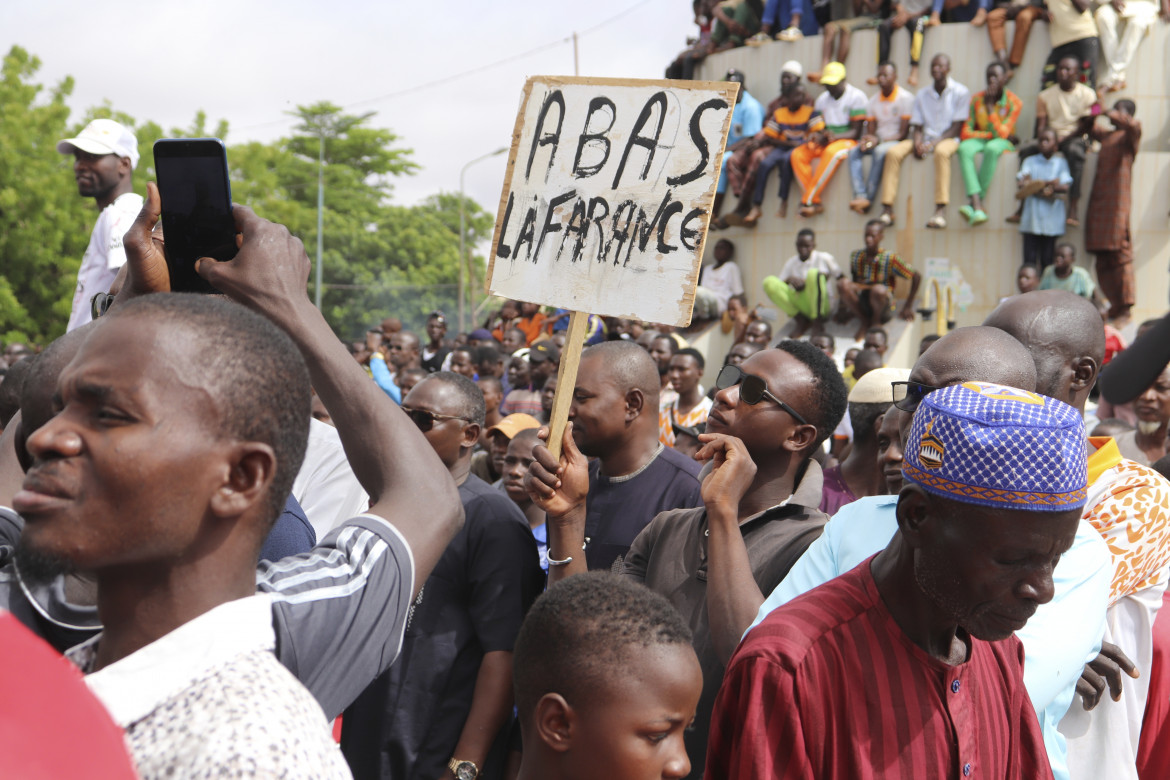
point(606, 203)
point(608, 194)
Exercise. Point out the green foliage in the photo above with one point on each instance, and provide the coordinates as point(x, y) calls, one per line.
point(380, 259)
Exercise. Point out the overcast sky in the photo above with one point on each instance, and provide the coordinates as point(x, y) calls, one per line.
point(249, 61)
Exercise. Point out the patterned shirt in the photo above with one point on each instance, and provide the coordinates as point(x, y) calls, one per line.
point(830, 686)
point(790, 127)
point(1000, 123)
point(882, 269)
point(210, 699)
point(668, 417)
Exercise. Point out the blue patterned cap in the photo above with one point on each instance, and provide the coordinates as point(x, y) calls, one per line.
point(998, 446)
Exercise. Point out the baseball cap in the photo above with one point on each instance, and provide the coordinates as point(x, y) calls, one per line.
point(103, 136)
point(543, 350)
point(734, 75)
point(793, 67)
point(514, 423)
point(834, 73)
point(481, 334)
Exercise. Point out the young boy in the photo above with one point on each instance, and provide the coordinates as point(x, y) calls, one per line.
point(1027, 278)
point(1065, 274)
point(606, 683)
point(803, 288)
point(1041, 179)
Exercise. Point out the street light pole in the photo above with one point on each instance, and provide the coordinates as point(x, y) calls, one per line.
point(463, 259)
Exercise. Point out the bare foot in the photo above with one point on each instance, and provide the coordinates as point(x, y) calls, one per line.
point(814, 77)
point(799, 327)
point(753, 216)
point(1117, 86)
point(782, 212)
point(912, 79)
point(980, 18)
point(811, 210)
point(860, 334)
point(872, 80)
point(860, 205)
point(818, 329)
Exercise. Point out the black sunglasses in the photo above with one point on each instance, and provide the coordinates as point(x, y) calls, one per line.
point(907, 395)
point(426, 420)
point(752, 389)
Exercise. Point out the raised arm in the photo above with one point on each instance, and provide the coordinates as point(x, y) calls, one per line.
point(407, 483)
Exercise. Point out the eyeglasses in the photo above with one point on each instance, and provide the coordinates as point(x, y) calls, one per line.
point(425, 420)
point(907, 395)
point(752, 389)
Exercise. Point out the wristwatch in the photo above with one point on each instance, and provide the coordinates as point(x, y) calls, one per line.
point(463, 770)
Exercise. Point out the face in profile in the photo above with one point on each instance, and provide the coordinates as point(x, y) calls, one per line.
point(122, 473)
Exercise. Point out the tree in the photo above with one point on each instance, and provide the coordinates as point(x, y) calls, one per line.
point(380, 259)
point(43, 222)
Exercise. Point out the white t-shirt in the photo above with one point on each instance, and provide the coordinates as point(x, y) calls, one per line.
point(724, 281)
point(840, 112)
point(821, 261)
point(326, 487)
point(104, 255)
point(888, 113)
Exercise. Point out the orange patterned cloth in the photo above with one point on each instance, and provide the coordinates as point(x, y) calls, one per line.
point(1000, 123)
point(1129, 505)
point(668, 415)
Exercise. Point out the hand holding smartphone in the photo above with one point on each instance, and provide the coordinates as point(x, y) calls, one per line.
point(196, 207)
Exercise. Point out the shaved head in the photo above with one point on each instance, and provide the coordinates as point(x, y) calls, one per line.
point(979, 354)
point(628, 366)
point(1064, 335)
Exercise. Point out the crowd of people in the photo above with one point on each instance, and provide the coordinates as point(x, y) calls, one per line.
point(265, 551)
point(808, 137)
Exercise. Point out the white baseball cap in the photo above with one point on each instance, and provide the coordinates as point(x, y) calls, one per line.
point(103, 136)
point(793, 67)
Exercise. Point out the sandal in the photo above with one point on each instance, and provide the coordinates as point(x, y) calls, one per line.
point(978, 217)
point(967, 213)
point(937, 222)
point(886, 219)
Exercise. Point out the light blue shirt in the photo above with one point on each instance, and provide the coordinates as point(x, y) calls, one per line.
point(1063, 635)
point(1044, 217)
point(747, 118)
point(383, 379)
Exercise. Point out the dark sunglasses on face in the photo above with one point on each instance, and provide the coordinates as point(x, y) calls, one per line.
point(752, 389)
point(907, 395)
point(426, 420)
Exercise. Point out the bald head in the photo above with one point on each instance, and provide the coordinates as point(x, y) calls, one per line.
point(1064, 336)
point(979, 354)
point(627, 365)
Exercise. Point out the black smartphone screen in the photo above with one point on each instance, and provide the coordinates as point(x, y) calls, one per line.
point(196, 207)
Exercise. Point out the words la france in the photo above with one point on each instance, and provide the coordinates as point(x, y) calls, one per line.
point(608, 174)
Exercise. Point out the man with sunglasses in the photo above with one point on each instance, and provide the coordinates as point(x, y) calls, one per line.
point(1065, 633)
point(760, 492)
point(445, 706)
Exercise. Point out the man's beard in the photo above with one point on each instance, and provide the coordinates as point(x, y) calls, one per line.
point(39, 568)
point(1148, 427)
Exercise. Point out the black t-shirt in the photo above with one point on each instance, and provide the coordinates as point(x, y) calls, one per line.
point(618, 509)
point(406, 723)
point(435, 361)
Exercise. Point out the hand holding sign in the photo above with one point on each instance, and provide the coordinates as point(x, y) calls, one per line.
point(606, 203)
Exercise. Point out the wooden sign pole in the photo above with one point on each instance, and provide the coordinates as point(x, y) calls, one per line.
point(566, 379)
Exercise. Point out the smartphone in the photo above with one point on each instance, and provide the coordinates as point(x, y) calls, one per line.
point(196, 207)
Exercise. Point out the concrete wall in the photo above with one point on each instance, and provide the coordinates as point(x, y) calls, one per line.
point(988, 255)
